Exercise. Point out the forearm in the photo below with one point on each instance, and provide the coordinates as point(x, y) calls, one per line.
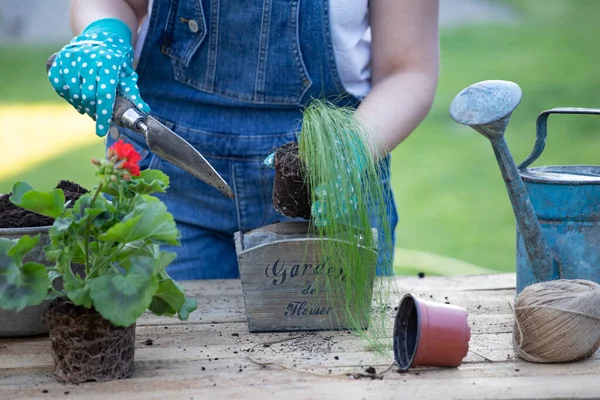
point(84, 12)
point(395, 106)
point(405, 64)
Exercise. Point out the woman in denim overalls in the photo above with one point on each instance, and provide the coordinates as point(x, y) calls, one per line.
point(231, 78)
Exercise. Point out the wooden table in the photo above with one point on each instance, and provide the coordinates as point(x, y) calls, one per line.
point(214, 356)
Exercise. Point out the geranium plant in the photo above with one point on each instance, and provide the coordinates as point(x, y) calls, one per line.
point(116, 242)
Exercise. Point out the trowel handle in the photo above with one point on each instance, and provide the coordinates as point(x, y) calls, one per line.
point(541, 130)
point(121, 107)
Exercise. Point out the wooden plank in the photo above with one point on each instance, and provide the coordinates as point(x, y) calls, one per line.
point(498, 281)
point(226, 309)
point(530, 381)
point(203, 358)
point(211, 310)
point(232, 287)
point(487, 319)
point(296, 350)
point(225, 369)
point(205, 343)
point(223, 301)
point(219, 342)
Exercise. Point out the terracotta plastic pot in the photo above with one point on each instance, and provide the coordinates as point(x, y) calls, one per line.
point(430, 334)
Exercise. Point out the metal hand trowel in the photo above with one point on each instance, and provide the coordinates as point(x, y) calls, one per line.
point(164, 142)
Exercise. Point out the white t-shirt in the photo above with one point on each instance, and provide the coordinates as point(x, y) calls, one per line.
point(351, 37)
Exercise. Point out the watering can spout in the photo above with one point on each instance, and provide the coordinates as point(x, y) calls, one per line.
point(491, 130)
point(487, 107)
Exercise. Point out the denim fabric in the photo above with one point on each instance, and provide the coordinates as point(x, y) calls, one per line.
point(231, 78)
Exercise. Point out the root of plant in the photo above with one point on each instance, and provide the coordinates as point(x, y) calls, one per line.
point(87, 347)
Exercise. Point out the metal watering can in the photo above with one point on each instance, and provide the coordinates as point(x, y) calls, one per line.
point(557, 208)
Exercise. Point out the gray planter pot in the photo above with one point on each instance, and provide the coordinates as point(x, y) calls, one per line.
point(29, 321)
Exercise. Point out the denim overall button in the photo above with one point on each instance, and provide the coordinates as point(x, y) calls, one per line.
point(193, 25)
point(114, 132)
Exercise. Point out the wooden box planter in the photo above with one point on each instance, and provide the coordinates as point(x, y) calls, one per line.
point(280, 265)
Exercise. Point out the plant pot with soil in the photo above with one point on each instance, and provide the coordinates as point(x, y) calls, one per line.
point(92, 316)
point(15, 222)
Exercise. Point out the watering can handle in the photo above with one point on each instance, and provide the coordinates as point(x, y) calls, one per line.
point(541, 129)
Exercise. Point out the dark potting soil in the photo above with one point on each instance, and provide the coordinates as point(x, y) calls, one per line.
point(291, 195)
point(12, 216)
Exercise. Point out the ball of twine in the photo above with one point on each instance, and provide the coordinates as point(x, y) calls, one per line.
point(557, 321)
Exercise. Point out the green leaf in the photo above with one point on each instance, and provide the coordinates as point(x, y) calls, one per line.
point(143, 262)
point(62, 224)
point(18, 190)
point(50, 204)
point(149, 220)
point(84, 210)
point(23, 246)
point(77, 291)
point(122, 298)
point(131, 249)
point(34, 284)
point(9, 269)
point(25, 286)
point(168, 299)
point(98, 214)
point(78, 256)
point(63, 237)
point(20, 285)
point(189, 306)
point(6, 245)
point(150, 181)
point(110, 189)
point(155, 176)
point(165, 258)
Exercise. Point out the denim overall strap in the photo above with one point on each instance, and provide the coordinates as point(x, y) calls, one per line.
point(230, 77)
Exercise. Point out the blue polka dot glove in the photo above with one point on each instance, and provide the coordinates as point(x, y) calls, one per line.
point(94, 67)
point(318, 207)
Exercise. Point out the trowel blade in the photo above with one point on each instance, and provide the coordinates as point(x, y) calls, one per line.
point(171, 147)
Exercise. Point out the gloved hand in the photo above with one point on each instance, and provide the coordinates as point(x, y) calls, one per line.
point(318, 208)
point(94, 67)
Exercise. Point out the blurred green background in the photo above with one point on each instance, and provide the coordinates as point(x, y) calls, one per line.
point(455, 216)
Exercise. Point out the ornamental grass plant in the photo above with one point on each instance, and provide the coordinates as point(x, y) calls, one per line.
point(348, 200)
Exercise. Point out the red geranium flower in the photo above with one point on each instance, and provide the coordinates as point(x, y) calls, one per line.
point(127, 155)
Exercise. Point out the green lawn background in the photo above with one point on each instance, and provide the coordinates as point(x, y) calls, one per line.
point(454, 210)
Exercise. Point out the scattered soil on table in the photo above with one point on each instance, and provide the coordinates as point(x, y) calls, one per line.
point(12, 216)
point(291, 195)
point(87, 347)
